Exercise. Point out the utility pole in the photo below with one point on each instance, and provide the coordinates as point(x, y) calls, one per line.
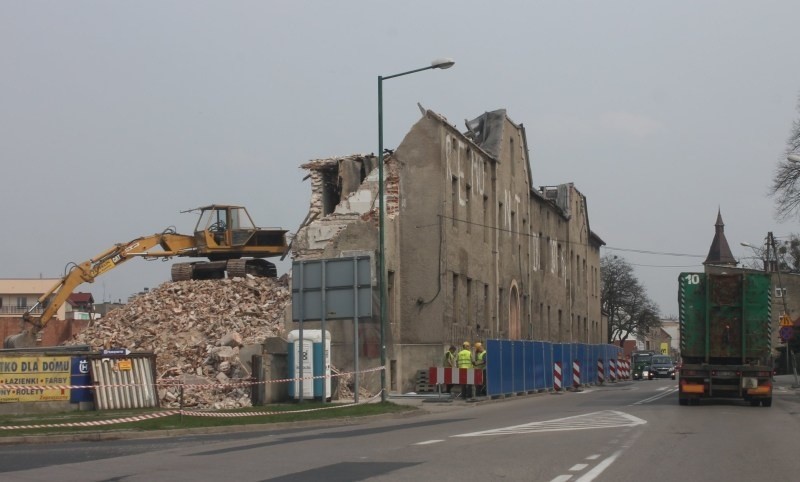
point(777, 268)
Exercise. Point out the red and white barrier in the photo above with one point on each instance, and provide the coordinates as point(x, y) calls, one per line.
point(455, 376)
point(576, 373)
point(557, 377)
point(612, 369)
point(601, 372)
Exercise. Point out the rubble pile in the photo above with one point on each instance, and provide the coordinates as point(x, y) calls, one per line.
point(196, 329)
point(345, 386)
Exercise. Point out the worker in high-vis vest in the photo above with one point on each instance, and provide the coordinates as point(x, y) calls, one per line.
point(464, 360)
point(480, 364)
point(449, 361)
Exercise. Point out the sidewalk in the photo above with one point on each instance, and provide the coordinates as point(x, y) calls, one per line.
point(786, 382)
point(431, 402)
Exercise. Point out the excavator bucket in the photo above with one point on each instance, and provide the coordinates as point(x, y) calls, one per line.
point(25, 339)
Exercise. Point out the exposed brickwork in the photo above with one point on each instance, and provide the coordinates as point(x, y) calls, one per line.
point(55, 333)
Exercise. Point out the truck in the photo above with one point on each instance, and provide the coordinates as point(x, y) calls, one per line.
point(725, 337)
point(224, 234)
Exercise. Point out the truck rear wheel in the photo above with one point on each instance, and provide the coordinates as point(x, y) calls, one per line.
point(683, 401)
point(766, 402)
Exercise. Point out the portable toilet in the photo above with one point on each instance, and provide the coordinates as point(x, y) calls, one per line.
point(314, 364)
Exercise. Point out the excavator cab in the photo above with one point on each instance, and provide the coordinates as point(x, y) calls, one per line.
point(224, 227)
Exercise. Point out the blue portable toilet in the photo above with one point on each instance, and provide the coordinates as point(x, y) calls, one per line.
point(315, 364)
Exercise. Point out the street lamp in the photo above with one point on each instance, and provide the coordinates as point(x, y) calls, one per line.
point(758, 251)
point(436, 64)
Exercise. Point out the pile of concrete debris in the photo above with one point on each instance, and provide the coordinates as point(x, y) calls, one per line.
point(196, 329)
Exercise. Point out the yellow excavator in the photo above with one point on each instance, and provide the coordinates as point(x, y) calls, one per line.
point(224, 234)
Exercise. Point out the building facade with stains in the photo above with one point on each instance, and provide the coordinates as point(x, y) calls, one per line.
point(474, 249)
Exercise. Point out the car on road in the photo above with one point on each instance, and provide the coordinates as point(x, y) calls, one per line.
point(662, 366)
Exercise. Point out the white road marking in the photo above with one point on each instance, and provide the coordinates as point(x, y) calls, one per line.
point(428, 442)
point(656, 397)
point(593, 457)
point(578, 467)
point(602, 419)
point(599, 468)
point(561, 478)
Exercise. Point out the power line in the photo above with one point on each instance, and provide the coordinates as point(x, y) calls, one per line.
point(502, 230)
point(534, 235)
point(666, 266)
point(661, 253)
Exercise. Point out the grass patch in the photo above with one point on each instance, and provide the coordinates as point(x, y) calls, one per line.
point(288, 413)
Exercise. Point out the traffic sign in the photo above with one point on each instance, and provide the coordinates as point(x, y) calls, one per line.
point(785, 320)
point(115, 351)
point(786, 333)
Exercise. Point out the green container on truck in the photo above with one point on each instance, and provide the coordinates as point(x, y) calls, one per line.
point(725, 337)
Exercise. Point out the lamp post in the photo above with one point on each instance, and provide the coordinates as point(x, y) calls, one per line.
point(436, 64)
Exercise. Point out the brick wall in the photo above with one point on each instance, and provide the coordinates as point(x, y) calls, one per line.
point(55, 333)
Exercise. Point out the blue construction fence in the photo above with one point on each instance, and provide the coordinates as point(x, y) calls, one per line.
point(522, 366)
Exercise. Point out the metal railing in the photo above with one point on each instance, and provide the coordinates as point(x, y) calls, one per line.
point(19, 310)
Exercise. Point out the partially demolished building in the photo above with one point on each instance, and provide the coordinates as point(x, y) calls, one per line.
point(473, 249)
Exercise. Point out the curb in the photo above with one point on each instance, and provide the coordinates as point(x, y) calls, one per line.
point(174, 432)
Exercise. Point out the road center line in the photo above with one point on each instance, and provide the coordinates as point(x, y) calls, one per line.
point(593, 457)
point(656, 397)
point(578, 467)
point(599, 468)
point(428, 442)
point(562, 478)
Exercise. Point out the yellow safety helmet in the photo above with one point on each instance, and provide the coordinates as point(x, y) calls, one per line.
point(465, 344)
point(478, 344)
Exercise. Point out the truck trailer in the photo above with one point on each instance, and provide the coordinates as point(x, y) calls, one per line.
point(725, 337)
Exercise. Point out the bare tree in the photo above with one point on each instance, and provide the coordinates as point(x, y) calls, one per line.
point(789, 254)
point(785, 187)
point(624, 300)
point(786, 252)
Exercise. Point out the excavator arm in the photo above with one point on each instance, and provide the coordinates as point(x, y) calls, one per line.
point(171, 244)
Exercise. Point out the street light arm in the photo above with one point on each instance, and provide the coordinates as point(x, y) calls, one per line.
point(387, 77)
point(436, 64)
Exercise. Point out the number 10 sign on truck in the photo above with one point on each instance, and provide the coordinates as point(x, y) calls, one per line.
point(725, 337)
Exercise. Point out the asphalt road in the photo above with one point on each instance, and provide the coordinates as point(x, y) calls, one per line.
point(628, 431)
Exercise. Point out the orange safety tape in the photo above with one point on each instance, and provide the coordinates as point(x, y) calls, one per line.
point(95, 423)
point(168, 382)
point(252, 414)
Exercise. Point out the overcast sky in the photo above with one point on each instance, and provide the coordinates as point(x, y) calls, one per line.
point(116, 115)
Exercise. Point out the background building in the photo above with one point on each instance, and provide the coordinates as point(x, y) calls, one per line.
point(17, 296)
point(474, 250)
